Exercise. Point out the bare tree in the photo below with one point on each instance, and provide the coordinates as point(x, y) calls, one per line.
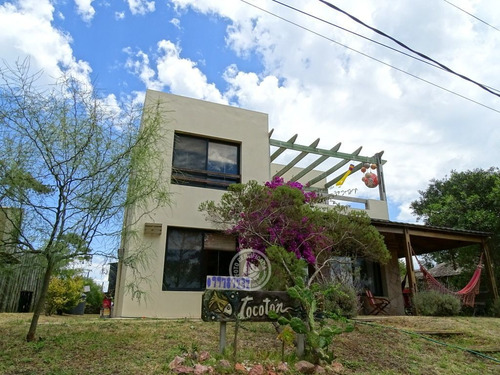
point(66, 162)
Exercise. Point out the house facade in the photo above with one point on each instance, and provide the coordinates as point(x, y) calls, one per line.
point(206, 147)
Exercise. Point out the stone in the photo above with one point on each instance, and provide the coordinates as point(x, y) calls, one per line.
point(337, 367)
point(203, 356)
point(282, 367)
point(257, 370)
point(305, 367)
point(240, 368)
point(200, 369)
point(183, 370)
point(319, 370)
point(176, 362)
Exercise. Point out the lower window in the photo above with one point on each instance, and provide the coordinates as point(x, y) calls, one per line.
point(192, 254)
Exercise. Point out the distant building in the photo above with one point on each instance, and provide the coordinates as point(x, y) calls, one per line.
point(20, 274)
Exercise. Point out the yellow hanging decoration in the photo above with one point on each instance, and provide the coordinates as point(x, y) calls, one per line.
point(342, 180)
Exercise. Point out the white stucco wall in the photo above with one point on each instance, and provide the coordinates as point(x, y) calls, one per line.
point(201, 118)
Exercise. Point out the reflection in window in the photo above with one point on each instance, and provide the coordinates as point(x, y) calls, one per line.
point(204, 162)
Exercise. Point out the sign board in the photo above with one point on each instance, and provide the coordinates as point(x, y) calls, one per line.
point(253, 306)
point(229, 283)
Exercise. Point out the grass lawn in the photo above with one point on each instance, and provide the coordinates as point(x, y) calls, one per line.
point(72, 345)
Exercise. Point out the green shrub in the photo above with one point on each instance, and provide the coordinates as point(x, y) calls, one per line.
point(494, 309)
point(340, 299)
point(433, 303)
point(63, 294)
point(94, 298)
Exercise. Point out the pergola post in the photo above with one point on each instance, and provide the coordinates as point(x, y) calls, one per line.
point(489, 270)
point(412, 281)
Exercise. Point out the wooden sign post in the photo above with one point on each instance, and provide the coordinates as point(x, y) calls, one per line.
point(242, 305)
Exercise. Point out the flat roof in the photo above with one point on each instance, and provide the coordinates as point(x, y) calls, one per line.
point(426, 238)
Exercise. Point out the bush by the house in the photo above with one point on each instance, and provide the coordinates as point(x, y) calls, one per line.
point(63, 294)
point(340, 299)
point(494, 309)
point(433, 303)
point(94, 298)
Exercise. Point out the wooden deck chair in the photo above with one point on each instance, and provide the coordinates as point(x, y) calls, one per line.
point(377, 304)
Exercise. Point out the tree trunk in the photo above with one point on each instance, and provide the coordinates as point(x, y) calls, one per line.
point(40, 303)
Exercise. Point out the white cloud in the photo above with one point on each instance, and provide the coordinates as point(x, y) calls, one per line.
point(85, 9)
point(171, 70)
point(311, 85)
point(26, 30)
point(119, 15)
point(176, 22)
point(141, 7)
point(316, 88)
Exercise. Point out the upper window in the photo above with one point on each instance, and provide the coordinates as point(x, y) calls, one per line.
point(192, 255)
point(204, 162)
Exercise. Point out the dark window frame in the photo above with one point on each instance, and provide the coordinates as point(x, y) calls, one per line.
point(202, 177)
point(204, 265)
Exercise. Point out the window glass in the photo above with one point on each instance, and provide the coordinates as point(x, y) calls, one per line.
point(222, 158)
point(370, 276)
point(205, 163)
point(183, 260)
point(193, 254)
point(190, 152)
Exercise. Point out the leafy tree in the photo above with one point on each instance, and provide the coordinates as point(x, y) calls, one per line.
point(94, 297)
point(63, 294)
point(467, 200)
point(67, 162)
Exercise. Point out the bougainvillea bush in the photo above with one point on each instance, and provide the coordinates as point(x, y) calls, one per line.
point(285, 214)
point(302, 237)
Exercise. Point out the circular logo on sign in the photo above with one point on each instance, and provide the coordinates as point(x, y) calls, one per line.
point(253, 264)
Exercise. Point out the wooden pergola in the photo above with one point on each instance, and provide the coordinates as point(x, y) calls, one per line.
point(405, 240)
point(401, 239)
point(335, 173)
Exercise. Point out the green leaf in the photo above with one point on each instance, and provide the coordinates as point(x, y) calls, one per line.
point(298, 325)
point(273, 315)
point(283, 321)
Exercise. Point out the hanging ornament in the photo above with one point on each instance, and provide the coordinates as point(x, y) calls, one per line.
point(341, 181)
point(373, 166)
point(370, 180)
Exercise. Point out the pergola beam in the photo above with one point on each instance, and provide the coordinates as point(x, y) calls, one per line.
point(334, 168)
point(282, 147)
point(319, 151)
point(298, 158)
point(314, 164)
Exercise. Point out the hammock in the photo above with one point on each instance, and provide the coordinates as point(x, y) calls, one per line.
point(467, 295)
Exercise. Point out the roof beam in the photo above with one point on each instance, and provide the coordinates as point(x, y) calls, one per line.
point(334, 168)
point(282, 146)
point(298, 158)
point(341, 155)
point(314, 164)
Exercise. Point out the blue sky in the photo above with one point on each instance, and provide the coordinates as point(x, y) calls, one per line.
point(230, 52)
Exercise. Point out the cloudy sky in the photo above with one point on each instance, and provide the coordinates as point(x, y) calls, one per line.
point(293, 61)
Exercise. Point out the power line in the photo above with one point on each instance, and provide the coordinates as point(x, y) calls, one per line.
point(431, 63)
point(484, 87)
point(371, 57)
point(357, 34)
point(470, 14)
